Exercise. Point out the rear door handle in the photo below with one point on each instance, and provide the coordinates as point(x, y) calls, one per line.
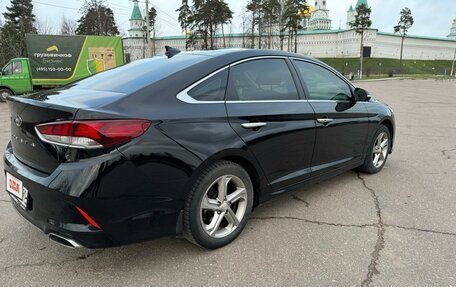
point(253, 125)
point(324, 121)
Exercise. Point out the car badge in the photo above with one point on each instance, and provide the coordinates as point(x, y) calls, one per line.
point(18, 121)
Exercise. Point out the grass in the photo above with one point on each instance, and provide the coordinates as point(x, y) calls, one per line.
point(375, 67)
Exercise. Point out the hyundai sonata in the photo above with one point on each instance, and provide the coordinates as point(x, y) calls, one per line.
point(187, 144)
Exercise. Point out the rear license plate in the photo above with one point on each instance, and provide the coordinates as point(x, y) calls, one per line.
point(15, 187)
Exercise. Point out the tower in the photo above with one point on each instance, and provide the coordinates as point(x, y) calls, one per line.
point(351, 13)
point(350, 16)
point(319, 20)
point(137, 22)
point(360, 2)
point(320, 5)
point(452, 34)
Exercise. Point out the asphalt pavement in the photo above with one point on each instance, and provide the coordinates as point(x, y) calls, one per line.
point(395, 228)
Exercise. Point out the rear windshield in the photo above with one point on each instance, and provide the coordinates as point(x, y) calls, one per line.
point(137, 75)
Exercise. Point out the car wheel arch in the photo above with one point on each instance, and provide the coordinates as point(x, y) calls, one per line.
point(389, 124)
point(242, 158)
point(253, 173)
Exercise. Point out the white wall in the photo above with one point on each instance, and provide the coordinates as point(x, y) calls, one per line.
point(387, 46)
point(135, 47)
point(336, 44)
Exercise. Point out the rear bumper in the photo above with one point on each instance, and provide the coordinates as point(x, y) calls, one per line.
point(122, 219)
point(71, 231)
point(51, 211)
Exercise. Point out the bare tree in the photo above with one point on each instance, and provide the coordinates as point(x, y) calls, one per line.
point(45, 28)
point(68, 26)
point(230, 32)
point(244, 26)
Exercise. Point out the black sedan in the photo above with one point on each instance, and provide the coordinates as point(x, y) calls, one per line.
point(187, 144)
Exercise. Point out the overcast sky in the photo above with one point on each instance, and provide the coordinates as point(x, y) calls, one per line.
point(432, 18)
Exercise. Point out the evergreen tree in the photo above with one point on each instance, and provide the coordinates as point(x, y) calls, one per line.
point(293, 17)
point(184, 15)
point(206, 18)
point(281, 12)
point(255, 7)
point(97, 19)
point(362, 23)
point(270, 16)
point(19, 21)
point(272, 10)
point(224, 17)
point(405, 23)
point(153, 26)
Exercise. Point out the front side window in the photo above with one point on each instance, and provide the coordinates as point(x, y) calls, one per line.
point(212, 89)
point(322, 83)
point(17, 68)
point(262, 80)
point(8, 70)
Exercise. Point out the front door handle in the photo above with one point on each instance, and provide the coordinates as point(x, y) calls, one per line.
point(253, 125)
point(324, 121)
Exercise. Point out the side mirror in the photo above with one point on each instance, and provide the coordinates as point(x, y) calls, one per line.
point(362, 95)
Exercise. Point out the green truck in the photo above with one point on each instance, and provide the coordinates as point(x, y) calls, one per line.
point(59, 60)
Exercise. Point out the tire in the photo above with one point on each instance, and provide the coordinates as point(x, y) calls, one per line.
point(372, 164)
point(211, 221)
point(4, 93)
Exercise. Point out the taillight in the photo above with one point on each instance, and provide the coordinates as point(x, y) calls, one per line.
point(92, 133)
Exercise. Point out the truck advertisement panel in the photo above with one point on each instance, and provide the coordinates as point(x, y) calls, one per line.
point(59, 60)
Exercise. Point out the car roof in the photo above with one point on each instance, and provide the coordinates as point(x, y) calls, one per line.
point(243, 53)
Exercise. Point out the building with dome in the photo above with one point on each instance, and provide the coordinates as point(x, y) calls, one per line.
point(319, 19)
point(319, 40)
point(452, 34)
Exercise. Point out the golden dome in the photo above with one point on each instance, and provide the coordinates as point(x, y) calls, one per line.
point(307, 12)
point(454, 21)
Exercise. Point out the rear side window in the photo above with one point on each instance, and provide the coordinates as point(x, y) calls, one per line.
point(262, 80)
point(137, 75)
point(322, 83)
point(212, 89)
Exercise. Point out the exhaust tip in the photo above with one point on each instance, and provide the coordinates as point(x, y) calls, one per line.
point(64, 241)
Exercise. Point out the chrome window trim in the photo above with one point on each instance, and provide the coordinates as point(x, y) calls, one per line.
point(185, 97)
point(43, 139)
point(257, 58)
point(331, 69)
point(265, 101)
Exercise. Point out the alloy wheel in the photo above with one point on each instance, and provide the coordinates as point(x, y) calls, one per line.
point(380, 150)
point(223, 206)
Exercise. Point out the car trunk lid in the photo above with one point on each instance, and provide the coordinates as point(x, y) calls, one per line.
point(52, 106)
